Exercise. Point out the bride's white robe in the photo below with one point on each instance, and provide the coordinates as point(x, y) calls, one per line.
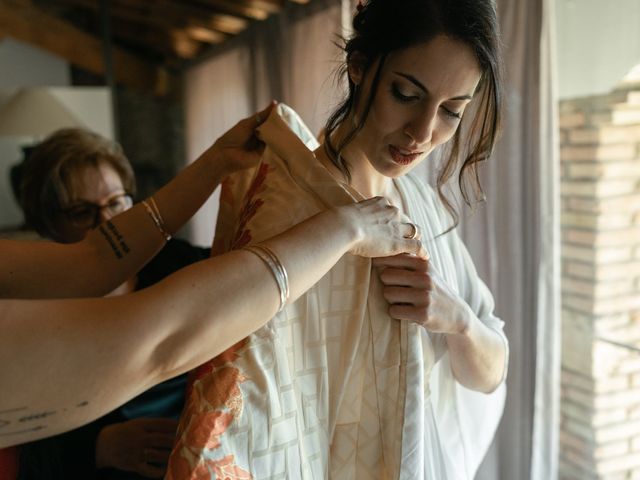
point(332, 387)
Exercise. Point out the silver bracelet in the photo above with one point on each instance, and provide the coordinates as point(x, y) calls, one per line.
point(277, 270)
point(154, 213)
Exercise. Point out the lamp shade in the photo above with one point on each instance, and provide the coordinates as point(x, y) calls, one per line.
point(35, 112)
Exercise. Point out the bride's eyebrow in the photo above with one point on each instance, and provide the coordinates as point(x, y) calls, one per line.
point(417, 83)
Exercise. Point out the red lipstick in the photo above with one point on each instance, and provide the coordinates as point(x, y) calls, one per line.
point(403, 157)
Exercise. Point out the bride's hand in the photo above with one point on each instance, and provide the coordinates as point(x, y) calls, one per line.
point(380, 229)
point(417, 293)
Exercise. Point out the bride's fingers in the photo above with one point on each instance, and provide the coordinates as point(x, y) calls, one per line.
point(403, 296)
point(405, 278)
point(408, 262)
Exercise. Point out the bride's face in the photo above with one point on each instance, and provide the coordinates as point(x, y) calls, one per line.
point(420, 99)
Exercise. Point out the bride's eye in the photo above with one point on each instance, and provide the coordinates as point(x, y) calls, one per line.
point(401, 96)
point(452, 114)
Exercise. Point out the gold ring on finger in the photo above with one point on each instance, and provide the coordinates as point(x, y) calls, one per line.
point(414, 231)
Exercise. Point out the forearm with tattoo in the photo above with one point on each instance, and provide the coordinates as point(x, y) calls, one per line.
point(114, 238)
point(20, 420)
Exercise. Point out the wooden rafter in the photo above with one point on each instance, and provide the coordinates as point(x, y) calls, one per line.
point(22, 21)
point(253, 9)
point(148, 37)
point(202, 17)
point(167, 46)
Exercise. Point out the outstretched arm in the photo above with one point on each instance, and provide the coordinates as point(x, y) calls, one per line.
point(117, 249)
point(66, 362)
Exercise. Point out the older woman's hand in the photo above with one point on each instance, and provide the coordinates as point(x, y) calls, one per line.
point(418, 294)
point(379, 229)
point(239, 148)
point(141, 445)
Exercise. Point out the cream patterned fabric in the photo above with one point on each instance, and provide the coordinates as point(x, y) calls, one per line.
point(332, 387)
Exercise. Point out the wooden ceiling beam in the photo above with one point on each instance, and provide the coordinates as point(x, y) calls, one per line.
point(154, 36)
point(157, 42)
point(204, 35)
point(252, 9)
point(20, 20)
point(169, 14)
point(136, 14)
point(202, 17)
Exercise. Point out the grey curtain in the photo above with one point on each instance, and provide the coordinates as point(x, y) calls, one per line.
point(514, 239)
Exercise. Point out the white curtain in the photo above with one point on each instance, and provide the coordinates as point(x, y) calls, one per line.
point(513, 238)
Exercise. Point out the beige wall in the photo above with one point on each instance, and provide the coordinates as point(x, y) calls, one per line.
point(598, 43)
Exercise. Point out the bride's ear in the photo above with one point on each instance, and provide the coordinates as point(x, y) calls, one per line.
point(356, 67)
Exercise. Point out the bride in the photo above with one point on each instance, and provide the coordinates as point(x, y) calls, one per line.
point(387, 369)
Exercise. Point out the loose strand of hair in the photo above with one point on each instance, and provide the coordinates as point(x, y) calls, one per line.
point(444, 176)
point(335, 152)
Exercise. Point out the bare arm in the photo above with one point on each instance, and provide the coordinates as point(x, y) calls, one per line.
point(66, 362)
point(117, 249)
point(478, 355)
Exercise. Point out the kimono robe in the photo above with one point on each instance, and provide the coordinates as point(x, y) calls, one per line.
point(332, 387)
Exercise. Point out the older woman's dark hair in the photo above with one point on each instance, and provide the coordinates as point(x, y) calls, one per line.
point(49, 173)
point(381, 27)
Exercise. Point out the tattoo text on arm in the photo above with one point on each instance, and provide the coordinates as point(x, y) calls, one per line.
point(114, 238)
point(23, 419)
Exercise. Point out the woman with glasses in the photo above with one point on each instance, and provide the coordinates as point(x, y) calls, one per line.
point(71, 183)
point(85, 214)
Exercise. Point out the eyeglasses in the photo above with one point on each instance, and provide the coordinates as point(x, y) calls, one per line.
point(87, 214)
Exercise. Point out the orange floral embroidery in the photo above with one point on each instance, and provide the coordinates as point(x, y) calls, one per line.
point(178, 468)
point(223, 390)
point(201, 472)
point(230, 354)
point(226, 469)
point(226, 191)
point(214, 400)
point(251, 206)
point(214, 397)
point(205, 429)
point(191, 409)
point(199, 373)
point(258, 182)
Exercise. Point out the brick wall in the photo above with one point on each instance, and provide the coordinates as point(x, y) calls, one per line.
point(600, 404)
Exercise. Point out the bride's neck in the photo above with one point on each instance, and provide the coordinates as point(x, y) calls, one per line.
point(364, 178)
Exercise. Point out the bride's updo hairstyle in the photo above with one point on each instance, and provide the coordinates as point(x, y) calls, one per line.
point(381, 27)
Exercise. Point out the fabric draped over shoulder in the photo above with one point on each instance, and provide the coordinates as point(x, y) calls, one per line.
point(332, 387)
